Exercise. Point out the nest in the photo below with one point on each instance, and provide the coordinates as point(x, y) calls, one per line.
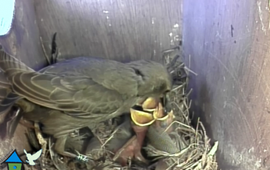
point(194, 151)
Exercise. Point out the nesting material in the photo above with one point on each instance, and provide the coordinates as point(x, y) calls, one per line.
point(171, 141)
point(195, 151)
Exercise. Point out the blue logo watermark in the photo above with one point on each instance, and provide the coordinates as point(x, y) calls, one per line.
point(14, 162)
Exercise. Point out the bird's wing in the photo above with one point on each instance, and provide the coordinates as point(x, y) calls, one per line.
point(108, 73)
point(71, 94)
point(81, 84)
point(36, 155)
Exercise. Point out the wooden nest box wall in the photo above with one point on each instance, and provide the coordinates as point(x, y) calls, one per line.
point(227, 43)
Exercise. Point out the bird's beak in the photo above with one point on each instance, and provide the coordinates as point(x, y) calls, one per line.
point(141, 118)
point(150, 104)
point(150, 110)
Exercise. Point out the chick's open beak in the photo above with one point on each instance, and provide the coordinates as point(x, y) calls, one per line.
point(150, 111)
point(143, 115)
point(141, 118)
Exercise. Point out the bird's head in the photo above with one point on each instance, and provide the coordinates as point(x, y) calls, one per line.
point(155, 79)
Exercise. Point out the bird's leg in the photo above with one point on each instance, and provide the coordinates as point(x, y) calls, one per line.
point(41, 141)
point(60, 149)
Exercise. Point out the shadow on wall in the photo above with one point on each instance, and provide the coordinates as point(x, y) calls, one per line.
point(201, 97)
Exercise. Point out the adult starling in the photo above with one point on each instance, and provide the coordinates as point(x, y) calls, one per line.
point(84, 90)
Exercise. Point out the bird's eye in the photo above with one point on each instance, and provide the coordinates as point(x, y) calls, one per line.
point(167, 91)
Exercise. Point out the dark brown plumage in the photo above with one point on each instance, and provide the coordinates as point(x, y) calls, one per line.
point(83, 90)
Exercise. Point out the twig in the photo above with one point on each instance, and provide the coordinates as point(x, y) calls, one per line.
point(42, 142)
point(116, 130)
point(44, 50)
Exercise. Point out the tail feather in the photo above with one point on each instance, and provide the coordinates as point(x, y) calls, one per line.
point(4, 83)
point(8, 102)
point(7, 97)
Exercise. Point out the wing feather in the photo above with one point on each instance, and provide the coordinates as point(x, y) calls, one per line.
point(79, 85)
point(71, 96)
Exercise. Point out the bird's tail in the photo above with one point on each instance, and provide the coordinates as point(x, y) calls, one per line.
point(10, 65)
point(7, 98)
point(5, 87)
point(8, 120)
